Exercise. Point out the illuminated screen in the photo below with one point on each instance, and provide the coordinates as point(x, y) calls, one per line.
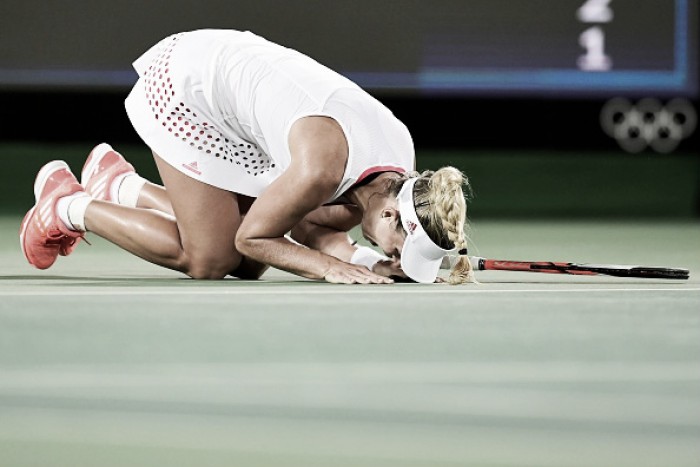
point(461, 47)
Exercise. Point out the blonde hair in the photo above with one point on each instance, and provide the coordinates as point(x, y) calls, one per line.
point(441, 207)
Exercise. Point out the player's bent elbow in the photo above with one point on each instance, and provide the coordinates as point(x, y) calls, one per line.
point(245, 245)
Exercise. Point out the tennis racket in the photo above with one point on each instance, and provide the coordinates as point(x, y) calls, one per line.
point(648, 272)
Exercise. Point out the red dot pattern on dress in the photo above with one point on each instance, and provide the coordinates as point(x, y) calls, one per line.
point(184, 124)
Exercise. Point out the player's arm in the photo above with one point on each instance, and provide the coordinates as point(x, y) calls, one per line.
point(319, 154)
point(325, 229)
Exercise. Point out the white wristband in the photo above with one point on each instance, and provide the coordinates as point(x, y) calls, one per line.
point(367, 257)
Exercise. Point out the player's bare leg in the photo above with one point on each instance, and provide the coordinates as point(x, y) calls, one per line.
point(199, 240)
point(154, 196)
point(109, 178)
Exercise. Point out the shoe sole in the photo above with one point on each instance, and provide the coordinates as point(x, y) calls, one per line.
point(96, 155)
point(23, 230)
point(41, 178)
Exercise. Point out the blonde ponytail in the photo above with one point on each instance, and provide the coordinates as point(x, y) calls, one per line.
point(446, 195)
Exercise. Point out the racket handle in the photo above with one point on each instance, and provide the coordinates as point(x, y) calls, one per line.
point(483, 264)
point(477, 263)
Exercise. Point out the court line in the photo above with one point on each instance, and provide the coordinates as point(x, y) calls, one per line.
point(301, 373)
point(375, 290)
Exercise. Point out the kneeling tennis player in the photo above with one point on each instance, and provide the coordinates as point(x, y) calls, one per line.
point(254, 141)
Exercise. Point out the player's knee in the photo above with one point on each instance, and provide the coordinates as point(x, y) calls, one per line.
point(211, 267)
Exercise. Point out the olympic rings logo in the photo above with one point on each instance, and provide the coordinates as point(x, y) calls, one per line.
point(648, 123)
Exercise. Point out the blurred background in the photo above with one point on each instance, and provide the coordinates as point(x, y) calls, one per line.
point(553, 108)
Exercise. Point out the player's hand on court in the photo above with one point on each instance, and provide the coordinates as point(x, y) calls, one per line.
point(389, 268)
point(392, 268)
point(345, 273)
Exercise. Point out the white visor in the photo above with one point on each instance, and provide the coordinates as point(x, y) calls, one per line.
point(420, 257)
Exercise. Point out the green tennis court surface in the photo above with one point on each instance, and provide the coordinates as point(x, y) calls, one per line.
point(108, 361)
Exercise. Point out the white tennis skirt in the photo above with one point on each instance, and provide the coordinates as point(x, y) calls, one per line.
point(170, 108)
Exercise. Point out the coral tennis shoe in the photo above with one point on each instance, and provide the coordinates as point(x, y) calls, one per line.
point(101, 168)
point(43, 236)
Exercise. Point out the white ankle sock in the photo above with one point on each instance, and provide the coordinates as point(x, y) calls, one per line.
point(114, 188)
point(126, 189)
point(71, 210)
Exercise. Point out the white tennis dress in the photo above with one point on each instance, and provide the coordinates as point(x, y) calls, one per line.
point(218, 105)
